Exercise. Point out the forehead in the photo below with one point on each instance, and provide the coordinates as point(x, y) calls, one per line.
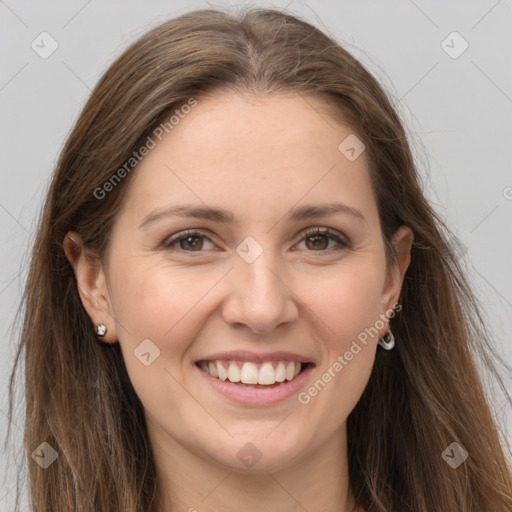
point(239, 122)
point(247, 151)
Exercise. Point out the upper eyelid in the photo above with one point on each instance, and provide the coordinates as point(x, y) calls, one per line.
point(187, 232)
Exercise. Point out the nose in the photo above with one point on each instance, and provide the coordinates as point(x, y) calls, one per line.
point(259, 298)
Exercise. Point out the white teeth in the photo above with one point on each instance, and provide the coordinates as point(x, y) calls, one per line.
point(265, 375)
point(223, 374)
point(249, 373)
point(290, 371)
point(233, 372)
point(212, 367)
point(280, 372)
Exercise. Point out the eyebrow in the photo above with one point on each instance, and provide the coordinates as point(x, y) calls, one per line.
point(226, 217)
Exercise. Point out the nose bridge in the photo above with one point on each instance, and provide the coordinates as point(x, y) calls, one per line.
point(258, 297)
point(256, 260)
point(260, 278)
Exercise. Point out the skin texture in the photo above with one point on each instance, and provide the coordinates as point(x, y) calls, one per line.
point(258, 158)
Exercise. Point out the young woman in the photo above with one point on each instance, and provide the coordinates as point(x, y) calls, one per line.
point(240, 299)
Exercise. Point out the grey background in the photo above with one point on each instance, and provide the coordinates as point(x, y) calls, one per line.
point(458, 112)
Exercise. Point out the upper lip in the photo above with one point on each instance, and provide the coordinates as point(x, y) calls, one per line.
point(254, 357)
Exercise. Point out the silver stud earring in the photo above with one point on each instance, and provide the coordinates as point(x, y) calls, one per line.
point(101, 330)
point(388, 341)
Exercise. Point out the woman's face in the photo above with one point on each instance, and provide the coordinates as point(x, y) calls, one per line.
point(285, 265)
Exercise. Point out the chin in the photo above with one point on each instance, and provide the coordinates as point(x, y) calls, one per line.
point(258, 453)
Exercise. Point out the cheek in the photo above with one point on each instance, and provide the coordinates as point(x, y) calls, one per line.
point(339, 308)
point(167, 307)
point(159, 302)
point(348, 303)
point(349, 308)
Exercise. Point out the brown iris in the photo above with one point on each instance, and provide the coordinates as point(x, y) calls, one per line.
point(191, 243)
point(317, 242)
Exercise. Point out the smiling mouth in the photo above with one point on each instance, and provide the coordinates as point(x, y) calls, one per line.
point(258, 375)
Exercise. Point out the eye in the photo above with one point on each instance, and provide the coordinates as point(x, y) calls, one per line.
point(190, 241)
point(318, 240)
point(315, 239)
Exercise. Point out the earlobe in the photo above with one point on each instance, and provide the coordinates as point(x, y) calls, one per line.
point(91, 284)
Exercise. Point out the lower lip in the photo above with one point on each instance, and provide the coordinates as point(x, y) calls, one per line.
point(257, 396)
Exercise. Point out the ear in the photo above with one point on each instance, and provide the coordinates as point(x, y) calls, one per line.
point(91, 283)
point(402, 243)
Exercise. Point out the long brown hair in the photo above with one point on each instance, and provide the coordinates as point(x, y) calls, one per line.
point(421, 397)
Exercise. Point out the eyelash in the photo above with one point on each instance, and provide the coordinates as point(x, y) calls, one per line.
point(343, 242)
